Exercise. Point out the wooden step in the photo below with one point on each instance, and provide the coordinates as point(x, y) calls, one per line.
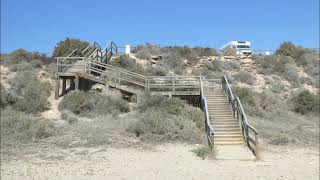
point(224, 123)
point(224, 138)
point(226, 126)
point(218, 115)
point(228, 133)
point(226, 129)
point(228, 142)
point(220, 110)
point(228, 136)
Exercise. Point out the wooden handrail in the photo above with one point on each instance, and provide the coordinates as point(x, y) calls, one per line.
point(239, 113)
point(204, 107)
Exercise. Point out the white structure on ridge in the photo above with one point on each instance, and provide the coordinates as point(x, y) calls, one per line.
point(241, 47)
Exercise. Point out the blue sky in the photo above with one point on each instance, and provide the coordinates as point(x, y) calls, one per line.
point(38, 25)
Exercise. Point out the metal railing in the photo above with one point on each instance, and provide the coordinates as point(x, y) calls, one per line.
point(250, 133)
point(204, 107)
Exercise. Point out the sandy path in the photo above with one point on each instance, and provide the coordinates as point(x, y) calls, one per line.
point(165, 162)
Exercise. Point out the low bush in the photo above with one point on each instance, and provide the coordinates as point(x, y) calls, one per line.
point(165, 119)
point(230, 52)
point(245, 77)
point(21, 55)
point(156, 71)
point(202, 151)
point(69, 116)
point(279, 139)
point(289, 49)
point(174, 62)
point(215, 66)
point(18, 126)
point(146, 51)
point(22, 66)
point(205, 51)
point(88, 103)
point(34, 97)
point(305, 102)
point(124, 61)
point(231, 65)
point(63, 48)
point(21, 80)
point(265, 104)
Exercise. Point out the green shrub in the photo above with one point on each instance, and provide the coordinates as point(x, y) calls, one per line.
point(20, 126)
point(63, 48)
point(168, 119)
point(202, 151)
point(231, 51)
point(173, 61)
point(22, 66)
point(215, 66)
point(21, 55)
point(265, 104)
point(279, 139)
point(69, 116)
point(146, 51)
point(305, 102)
point(200, 51)
point(231, 65)
point(3, 96)
point(245, 77)
point(156, 71)
point(34, 97)
point(21, 80)
point(87, 102)
point(289, 49)
point(124, 61)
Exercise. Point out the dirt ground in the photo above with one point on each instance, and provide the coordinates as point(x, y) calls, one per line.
point(169, 161)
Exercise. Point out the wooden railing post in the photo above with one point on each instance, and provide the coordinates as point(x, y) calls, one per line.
point(257, 146)
point(173, 83)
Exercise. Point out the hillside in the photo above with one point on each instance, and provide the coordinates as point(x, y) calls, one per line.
point(280, 94)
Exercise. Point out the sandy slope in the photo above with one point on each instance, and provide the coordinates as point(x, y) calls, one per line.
point(171, 161)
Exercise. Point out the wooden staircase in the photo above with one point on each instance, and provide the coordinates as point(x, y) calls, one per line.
point(226, 127)
point(225, 120)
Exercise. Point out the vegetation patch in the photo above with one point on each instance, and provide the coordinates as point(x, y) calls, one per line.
point(88, 103)
point(164, 119)
point(245, 77)
point(202, 151)
point(34, 97)
point(305, 102)
point(17, 126)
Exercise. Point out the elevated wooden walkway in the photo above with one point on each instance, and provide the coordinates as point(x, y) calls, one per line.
point(225, 120)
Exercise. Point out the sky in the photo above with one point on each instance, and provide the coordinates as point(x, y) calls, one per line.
point(38, 25)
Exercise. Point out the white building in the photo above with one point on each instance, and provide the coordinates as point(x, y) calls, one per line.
point(241, 47)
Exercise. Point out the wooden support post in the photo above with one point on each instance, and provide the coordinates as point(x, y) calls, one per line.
point(76, 83)
point(119, 75)
point(72, 85)
point(257, 153)
point(148, 84)
point(57, 88)
point(64, 86)
point(107, 88)
point(173, 83)
point(145, 84)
